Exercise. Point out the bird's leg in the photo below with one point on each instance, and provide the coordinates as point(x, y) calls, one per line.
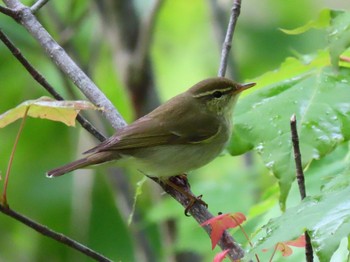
point(180, 184)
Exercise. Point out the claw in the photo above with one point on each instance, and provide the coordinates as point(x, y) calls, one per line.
point(194, 200)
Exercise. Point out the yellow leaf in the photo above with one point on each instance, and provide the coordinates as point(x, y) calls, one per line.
point(47, 108)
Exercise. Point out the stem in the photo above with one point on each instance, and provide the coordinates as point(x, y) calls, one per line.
point(300, 179)
point(7, 176)
point(52, 234)
point(226, 47)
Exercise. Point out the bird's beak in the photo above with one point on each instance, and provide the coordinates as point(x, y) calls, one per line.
point(242, 87)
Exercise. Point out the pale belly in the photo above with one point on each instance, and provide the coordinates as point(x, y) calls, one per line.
point(174, 160)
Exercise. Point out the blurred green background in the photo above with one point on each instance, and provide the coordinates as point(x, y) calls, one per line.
point(86, 206)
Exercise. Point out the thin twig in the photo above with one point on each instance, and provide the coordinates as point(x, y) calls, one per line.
point(66, 64)
point(218, 10)
point(4, 192)
point(300, 179)
point(226, 47)
point(52, 234)
point(42, 81)
point(38, 4)
point(9, 12)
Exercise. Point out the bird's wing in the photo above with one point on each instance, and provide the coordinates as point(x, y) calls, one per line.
point(148, 132)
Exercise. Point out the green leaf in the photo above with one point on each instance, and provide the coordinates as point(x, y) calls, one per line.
point(339, 34)
point(322, 21)
point(47, 108)
point(326, 217)
point(318, 95)
point(336, 25)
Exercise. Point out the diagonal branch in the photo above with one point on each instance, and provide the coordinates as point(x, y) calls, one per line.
point(201, 214)
point(37, 5)
point(66, 64)
point(42, 81)
point(52, 234)
point(226, 47)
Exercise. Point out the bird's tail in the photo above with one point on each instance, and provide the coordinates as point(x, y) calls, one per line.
point(68, 168)
point(94, 159)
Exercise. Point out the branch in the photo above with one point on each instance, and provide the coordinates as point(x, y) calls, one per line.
point(300, 179)
point(38, 4)
point(42, 81)
point(200, 213)
point(66, 64)
point(226, 47)
point(9, 12)
point(52, 234)
point(218, 11)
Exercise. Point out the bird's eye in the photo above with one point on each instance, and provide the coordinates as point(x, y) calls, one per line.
point(217, 94)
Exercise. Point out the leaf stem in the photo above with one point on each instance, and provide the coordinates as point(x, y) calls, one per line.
point(7, 176)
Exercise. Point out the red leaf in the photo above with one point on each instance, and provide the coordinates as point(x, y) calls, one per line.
point(222, 222)
point(284, 246)
point(221, 256)
point(299, 242)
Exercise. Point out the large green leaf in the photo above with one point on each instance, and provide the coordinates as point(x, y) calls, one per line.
point(326, 217)
point(318, 94)
point(337, 28)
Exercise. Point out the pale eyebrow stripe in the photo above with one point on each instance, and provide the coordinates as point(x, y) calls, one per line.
point(224, 90)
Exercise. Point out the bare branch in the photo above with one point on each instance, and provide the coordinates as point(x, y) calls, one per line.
point(66, 64)
point(9, 12)
point(300, 179)
point(42, 81)
point(52, 234)
point(38, 4)
point(226, 47)
point(219, 27)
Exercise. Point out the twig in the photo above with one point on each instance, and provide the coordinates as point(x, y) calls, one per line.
point(9, 12)
point(300, 179)
point(226, 47)
point(200, 214)
point(52, 234)
point(66, 64)
point(8, 170)
point(38, 4)
point(42, 81)
point(218, 11)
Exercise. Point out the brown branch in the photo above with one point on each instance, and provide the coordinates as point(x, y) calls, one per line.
point(300, 179)
point(42, 81)
point(200, 213)
point(9, 12)
point(52, 234)
point(226, 47)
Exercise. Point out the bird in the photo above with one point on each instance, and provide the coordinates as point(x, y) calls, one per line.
point(183, 134)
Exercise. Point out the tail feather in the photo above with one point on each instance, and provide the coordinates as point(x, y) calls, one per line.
point(69, 167)
point(93, 159)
